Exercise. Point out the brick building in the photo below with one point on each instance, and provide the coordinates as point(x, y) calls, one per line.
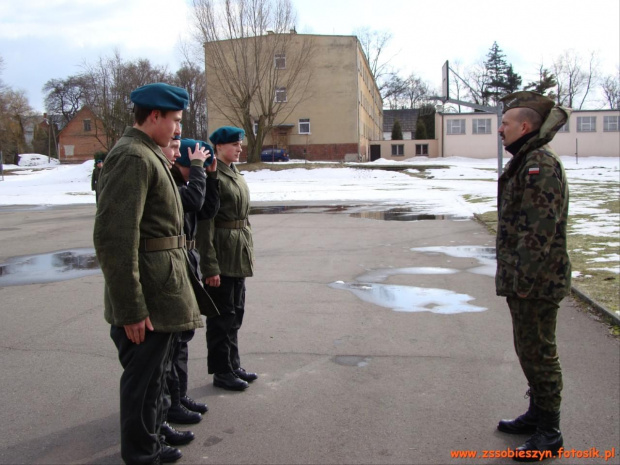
point(81, 138)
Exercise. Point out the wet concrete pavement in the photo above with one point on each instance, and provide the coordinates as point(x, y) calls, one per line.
point(343, 378)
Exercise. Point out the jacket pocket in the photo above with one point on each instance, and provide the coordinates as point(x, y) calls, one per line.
point(161, 272)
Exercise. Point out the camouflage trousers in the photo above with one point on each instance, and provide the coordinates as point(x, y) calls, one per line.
point(533, 327)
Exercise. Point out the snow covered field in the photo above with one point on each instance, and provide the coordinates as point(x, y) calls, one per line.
point(434, 186)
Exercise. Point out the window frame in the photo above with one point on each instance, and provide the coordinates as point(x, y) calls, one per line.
point(450, 126)
point(422, 148)
point(607, 125)
point(86, 125)
point(398, 148)
point(303, 122)
point(475, 126)
point(581, 123)
point(279, 58)
point(279, 92)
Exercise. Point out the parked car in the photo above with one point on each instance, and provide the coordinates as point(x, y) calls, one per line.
point(274, 155)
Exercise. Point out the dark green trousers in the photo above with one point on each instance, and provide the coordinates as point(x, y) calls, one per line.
point(533, 326)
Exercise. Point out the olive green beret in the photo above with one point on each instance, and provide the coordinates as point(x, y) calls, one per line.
point(160, 96)
point(528, 99)
point(227, 135)
point(184, 160)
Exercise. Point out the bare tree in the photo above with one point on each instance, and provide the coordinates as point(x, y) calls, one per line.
point(64, 97)
point(393, 90)
point(107, 87)
point(257, 67)
point(575, 80)
point(416, 91)
point(478, 80)
point(192, 78)
point(14, 113)
point(610, 86)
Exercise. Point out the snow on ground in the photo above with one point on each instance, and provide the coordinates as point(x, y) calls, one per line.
point(437, 186)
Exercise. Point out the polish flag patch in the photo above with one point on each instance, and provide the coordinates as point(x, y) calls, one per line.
point(534, 170)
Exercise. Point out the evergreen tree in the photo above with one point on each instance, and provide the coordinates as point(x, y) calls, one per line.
point(546, 81)
point(502, 80)
point(420, 129)
point(427, 116)
point(397, 132)
point(513, 81)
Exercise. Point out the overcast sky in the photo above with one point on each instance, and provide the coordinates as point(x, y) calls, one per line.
point(47, 39)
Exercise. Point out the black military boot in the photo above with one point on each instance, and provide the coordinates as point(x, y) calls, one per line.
point(546, 441)
point(175, 437)
point(191, 404)
point(179, 414)
point(524, 424)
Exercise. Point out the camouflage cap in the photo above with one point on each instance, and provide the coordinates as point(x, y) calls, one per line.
point(528, 99)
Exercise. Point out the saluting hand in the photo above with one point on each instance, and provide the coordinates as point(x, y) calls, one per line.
point(199, 153)
point(136, 332)
point(213, 166)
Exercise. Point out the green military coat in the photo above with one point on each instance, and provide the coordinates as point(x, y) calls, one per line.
point(532, 256)
point(224, 250)
point(138, 199)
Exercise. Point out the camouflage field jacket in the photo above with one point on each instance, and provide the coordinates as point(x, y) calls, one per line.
point(532, 257)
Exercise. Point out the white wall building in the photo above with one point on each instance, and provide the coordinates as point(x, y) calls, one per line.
point(588, 133)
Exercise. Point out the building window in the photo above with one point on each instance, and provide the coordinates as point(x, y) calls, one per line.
point(255, 128)
point(304, 125)
point(280, 61)
point(86, 125)
point(564, 128)
point(610, 124)
point(456, 126)
point(421, 149)
point(398, 150)
point(280, 94)
point(586, 124)
point(69, 150)
point(481, 126)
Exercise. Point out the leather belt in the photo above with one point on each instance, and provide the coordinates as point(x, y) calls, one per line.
point(162, 243)
point(237, 224)
point(190, 245)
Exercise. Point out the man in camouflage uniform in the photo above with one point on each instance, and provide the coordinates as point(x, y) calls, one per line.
point(533, 267)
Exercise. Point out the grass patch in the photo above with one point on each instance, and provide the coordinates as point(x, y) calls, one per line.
point(601, 285)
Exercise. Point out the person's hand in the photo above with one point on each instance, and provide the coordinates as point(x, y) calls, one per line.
point(199, 153)
point(213, 166)
point(136, 332)
point(213, 281)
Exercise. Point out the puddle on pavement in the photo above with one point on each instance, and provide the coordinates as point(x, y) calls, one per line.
point(410, 298)
point(484, 255)
point(50, 267)
point(418, 299)
point(351, 360)
point(357, 211)
point(400, 214)
point(377, 276)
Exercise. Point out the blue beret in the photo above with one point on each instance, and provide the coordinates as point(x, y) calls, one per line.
point(227, 135)
point(160, 96)
point(184, 160)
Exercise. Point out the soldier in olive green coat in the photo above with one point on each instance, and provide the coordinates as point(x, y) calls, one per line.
point(139, 241)
point(226, 259)
point(533, 267)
